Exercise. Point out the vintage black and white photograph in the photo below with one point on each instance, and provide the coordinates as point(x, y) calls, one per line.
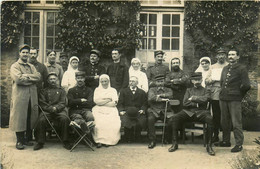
point(130, 84)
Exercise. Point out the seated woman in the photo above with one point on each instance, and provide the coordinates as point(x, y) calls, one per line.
point(68, 79)
point(106, 117)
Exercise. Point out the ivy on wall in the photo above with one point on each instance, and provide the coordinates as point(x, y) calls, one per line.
point(214, 24)
point(11, 23)
point(103, 25)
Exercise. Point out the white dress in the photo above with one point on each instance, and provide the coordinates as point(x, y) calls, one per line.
point(107, 120)
point(142, 78)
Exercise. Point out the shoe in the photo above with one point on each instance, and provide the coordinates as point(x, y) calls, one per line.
point(152, 145)
point(85, 128)
point(236, 149)
point(210, 150)
point(106, 145)
point(99, 145)
point(223, 144)
point(67, 145)
point(215, 139)
point(28, 143)
point(19, 146)
point(173, 148)
point(38, 146)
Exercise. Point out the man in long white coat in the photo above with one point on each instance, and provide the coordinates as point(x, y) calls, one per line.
point(23, 113)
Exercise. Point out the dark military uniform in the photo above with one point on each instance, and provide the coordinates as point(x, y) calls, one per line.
point(41, 68)
point(80, 111)
point(91, 71)
point(178, 82)
point(157, 108)
point(119, 76)
point(194, 110)
point(49, 98)
point(157, 69)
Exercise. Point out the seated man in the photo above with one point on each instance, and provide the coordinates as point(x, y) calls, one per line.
point(195, 109)
point(53, 102)
point(156, 101)
point(81, 102)
point(132, 105)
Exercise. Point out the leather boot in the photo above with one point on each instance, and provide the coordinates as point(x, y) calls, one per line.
point(174, 146)
point(209, 143)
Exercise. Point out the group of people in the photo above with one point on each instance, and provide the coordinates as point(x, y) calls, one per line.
point(86, 92)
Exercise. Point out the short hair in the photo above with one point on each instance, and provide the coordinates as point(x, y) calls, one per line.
point(134, 77)
point(118, 49)
point(32, 48)
point(50, 52)
point(175, 58)
point(234, 49)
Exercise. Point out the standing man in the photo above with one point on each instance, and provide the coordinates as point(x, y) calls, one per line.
point(93, 69)
point(23, 114)
point(178, 81)
point(81, 102)
point(52, 100)
point(118, 71)
point(52, 66)
point(157, 68)
point(234, 85)
point(156, 101)
point(40, 68)
point(64, 61)
point(213, 82)
point(132, 105)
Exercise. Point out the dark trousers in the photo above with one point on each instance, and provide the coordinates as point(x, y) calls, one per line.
point(216, 116)
point(231, 113)
point(82, 116)
point(25, 136)
point(62, 121)
point(179, 119)
point(151, 128)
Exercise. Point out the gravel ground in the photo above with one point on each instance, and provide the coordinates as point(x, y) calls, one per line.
point(121, 156)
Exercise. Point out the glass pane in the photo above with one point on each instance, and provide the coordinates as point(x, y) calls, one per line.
point(143, 18)
point(35, 2)
point(27, 40)
point(27, 16)
point(35, 43)
point(36, 17)
point(166, 44)
point(152, 18)
point(144, 43)
point(49, 43)
point(175, 31)
point(27, 30)
point(166, 19)
point(144, 32)
point(50, 17)
point(152, 31)
point(166, 31)
point(175, 44)
point(152, 44)
point(36, 29)
point(50, 30)
point(175, 19)
point(49, 2)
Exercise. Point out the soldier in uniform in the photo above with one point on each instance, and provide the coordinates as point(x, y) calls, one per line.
point(132, 105)
point(81, 102)
point(41, 68)
point(53, 102)
point(93, 69)
point(157, 68)
point(178, 81)
point(156, 101)
point(195, 109)
point(64, 61)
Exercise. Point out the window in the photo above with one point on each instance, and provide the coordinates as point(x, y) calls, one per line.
point(51, 31)
point(32, 29)
point(162, 2)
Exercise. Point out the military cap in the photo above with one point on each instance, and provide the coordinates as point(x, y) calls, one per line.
point(159, 77)
point(95, 51)
point(158, 52)
point(63, 54)
point(52, 73)
point(80, 73)
point(24, 46)
point(221, 50)
point(196, 76)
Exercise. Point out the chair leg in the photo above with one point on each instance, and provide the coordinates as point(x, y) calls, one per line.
point(183, 134)
point(192, 136)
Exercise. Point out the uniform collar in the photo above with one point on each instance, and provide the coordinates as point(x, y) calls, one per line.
point(48, 64)
point(22, 62)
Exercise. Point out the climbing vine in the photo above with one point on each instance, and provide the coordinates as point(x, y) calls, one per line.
point(98, 24)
